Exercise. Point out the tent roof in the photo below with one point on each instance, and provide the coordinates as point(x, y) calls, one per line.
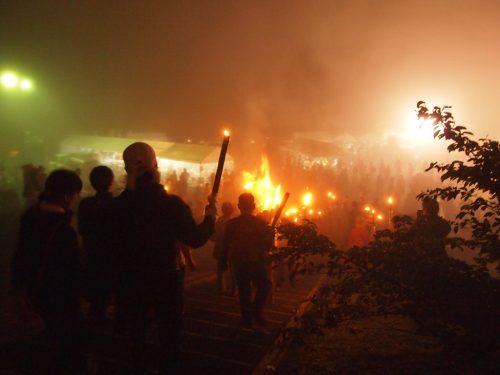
point(192, 153)
point(188, 152)
point(96, 143)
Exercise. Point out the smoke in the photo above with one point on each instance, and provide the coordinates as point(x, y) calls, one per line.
point(187, 68)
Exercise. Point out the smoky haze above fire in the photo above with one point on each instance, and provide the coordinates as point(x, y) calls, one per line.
point(188, 68)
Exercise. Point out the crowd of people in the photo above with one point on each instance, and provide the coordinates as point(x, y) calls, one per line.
point(135, 247)
point(137, 244)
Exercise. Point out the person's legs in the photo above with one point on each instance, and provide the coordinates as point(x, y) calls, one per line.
point(169, 316)
point(229, 281)
point(135, 316)
point(242, 276)
point(263, 285)
point(220, 275)
point(65, 329)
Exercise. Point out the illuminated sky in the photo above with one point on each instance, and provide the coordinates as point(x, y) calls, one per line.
point(188, 67)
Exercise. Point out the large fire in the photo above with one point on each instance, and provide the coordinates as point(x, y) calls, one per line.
point(267, 195)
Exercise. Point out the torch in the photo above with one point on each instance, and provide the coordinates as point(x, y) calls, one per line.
point(220, 165)
point(390, 202)
point(280, 209)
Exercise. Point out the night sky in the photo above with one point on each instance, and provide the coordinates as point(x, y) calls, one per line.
point(186, 68)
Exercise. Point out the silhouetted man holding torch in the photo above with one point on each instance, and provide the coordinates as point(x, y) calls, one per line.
point(246, 242)
point(146, 223)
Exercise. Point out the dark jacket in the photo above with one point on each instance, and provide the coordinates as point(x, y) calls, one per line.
point(47, 259)
point(91, 215)
point(144, 227)
point(246, 239)
point(431, 232)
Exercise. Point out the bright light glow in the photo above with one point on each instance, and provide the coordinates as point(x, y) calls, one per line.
point(26, 84)
point(373, 211)
point(331, 195)
point(9, 80)
point(226, 133)
point(390, 200)
point(367, 208)
point(266, 194)
point(307, 199)
point(379, 217)
point(311, 212)
point(419, 131)
point(320, 213)
point(295, 220)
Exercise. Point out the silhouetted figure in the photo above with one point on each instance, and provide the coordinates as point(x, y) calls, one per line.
point(91, 216)
point(173, 182)
point(146, 224)
point(183, 183)
point(47, 264)
point(228, 286)
point(33, 181)
point(431, 229)
point(359, 235)
point(246, 242)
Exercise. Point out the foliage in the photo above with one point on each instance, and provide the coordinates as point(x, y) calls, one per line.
point(475, 181)
point(395, 275)
point(402, 272)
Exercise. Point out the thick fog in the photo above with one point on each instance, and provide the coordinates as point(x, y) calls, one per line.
point(187, 68)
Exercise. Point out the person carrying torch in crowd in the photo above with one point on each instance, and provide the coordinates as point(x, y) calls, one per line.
point(145, 227)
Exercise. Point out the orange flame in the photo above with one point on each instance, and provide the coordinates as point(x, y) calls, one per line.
point(267, 195)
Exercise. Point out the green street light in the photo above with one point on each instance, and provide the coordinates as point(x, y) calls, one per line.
point(26, 85)
point(9, 80)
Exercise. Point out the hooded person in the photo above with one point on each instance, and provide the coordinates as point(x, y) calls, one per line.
point(146, 226)
point(47, 264)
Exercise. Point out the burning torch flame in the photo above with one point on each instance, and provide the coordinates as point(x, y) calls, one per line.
point(307, 199)
point(226, 133)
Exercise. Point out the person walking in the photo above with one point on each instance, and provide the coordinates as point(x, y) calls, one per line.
point(146, 225)
point(246, 242)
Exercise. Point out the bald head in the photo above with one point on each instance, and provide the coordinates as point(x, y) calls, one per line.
point(139, 155)
point(139, 159)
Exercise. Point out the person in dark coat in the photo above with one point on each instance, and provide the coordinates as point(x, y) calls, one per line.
point(431, 229)
point(146, 225)
point(246, 242)
point(47, 264)
point(91, 215)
